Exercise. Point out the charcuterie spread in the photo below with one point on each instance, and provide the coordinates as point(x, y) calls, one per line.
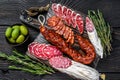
point(68, 44)
point(58, 61)
point(69, 41)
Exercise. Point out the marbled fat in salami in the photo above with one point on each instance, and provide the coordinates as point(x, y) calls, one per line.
point(51, 51)
point(60, 62)
point(31, 46)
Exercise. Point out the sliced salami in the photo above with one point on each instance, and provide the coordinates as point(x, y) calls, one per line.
point(59, 9)
point(30, 46)
point(34, 49)
point(89, 25)
point(51, 51)
point(80, 24)
point(43, 51)
point(73, 20)
point(60, 62)
point(39, 52)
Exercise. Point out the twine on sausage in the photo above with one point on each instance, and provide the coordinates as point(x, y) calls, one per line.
point(41, 21)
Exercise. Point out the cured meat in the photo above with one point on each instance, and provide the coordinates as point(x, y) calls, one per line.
point(43, 51)
point(92, 34)
point(31, 46)
point(76, 20)
point(70, 17)
point(51, 51)
point(54, 7)
point(79, 22)
point(76, 70)
point(89, 25)
point(73, 20)
point(64, 9)
point(59, 42)
point(60, 62)
point(59, 8)
point(53, 21)
point(57, 24)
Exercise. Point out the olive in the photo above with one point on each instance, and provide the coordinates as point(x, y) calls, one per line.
point(15, 33)
point(20, 39)
point(11, 40)
point(23, 30)
point(8, 32)
point(16, 26)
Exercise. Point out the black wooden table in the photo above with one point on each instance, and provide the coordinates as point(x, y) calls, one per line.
point(9, 14)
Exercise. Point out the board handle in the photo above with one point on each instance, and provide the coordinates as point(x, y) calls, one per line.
point(30, 21)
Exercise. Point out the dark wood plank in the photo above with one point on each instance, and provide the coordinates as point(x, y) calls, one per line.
point(112, 76)
point(111, 62)
point(9, 14)
point(13, 75)
point(10, 9)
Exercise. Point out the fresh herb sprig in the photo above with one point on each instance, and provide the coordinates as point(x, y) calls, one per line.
point(103, 29)
point(28, 65)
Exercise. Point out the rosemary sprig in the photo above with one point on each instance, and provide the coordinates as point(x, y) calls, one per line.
point(27, 70)
point(103, 29)
point(27, 63)
point(28, 59)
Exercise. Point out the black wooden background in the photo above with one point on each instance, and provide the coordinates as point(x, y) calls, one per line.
point(9, 14)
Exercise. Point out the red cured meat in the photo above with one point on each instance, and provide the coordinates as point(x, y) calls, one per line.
point(65, 14)
point(70, 17)
point(51, 51)
point(89, 25)
point(34, 50)
point(59, 9)
point(73, 20)
point(54, 21)
point(60, 62)
point(79, 22)
point(55, 9)
point(60, 24)
point(30, 46)
point(43, 51)
point(39, 52)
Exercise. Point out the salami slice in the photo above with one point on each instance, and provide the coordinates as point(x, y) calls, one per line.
point(80, 24)
point(73, 20)
point(54, 8)
point(51, 51)
point(30, 46)
point(59, 9)
point(89, 25)
point(39, 52)
point(60, 62)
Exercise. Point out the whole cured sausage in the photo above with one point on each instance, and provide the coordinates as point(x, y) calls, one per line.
point(58, 41)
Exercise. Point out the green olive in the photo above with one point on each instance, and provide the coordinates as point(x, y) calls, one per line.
point(11, 40)
point(8, 32)
point(16, 26)
point(20, 39)
point(15, 33)
point(23, 30)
